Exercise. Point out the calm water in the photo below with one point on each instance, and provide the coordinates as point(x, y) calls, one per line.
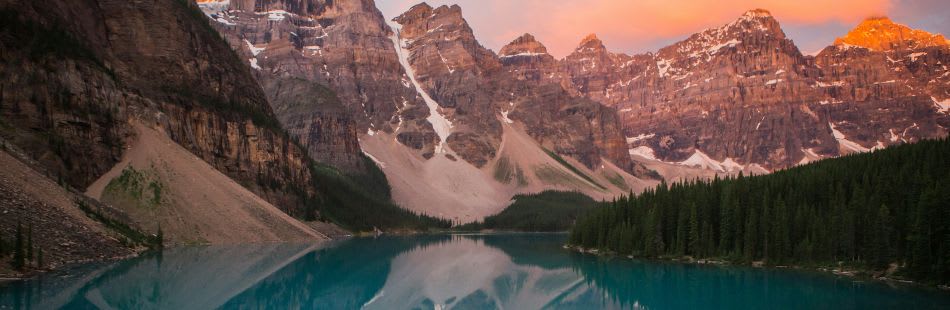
point(440, 272)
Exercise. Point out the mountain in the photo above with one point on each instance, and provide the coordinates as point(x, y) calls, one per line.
point(910, 62)
point(83, 83)
point(455, 127)
point(742, 97)
point(882, 34)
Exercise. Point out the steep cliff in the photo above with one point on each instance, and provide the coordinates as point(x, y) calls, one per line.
point(307, 46)
point(76, 73)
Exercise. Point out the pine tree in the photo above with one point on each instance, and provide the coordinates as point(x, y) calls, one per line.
point(882, 237)
point(751, 235)
point(29, 243)
point(39, 258)
point(19, 257)
point(726, 225)
point(694, 230)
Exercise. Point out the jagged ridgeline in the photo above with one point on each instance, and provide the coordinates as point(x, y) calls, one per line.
point(869, 211)
point(76, 76)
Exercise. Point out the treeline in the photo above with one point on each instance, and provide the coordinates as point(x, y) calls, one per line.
point(25, 254)
point(864, 210)
point(362, 202)
point(548, 211)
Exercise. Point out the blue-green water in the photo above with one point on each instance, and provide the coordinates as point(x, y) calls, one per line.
point(517, 271)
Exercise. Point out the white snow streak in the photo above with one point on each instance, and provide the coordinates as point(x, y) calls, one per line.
point(642, 136)
point(441, 125)
point(942, 106)
point(643, 151)
point(254, 49)
point(844, 142)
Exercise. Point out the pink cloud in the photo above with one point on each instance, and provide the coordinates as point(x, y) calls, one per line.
point(632, 26)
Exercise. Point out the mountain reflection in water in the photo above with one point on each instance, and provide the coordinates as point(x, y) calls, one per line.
point(496, 271)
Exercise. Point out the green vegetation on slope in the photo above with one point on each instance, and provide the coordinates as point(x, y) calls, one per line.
point(138, 188)
point(865, 211)
point(544, 212)
point(127, 235)
point(573, 169)
point(362, 202)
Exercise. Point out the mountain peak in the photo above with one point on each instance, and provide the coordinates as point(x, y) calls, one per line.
point(757, 13)
point(881, 34)
point(591, 42)
point(526, 44)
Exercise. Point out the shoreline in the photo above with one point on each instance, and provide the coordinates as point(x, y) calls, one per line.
point(852, 273)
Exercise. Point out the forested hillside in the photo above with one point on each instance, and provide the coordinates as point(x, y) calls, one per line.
point(548, 211)
point(865, 211)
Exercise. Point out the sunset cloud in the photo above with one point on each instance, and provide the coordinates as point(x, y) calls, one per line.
point(642, 25)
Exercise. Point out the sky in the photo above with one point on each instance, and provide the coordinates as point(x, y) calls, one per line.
point(638, 26)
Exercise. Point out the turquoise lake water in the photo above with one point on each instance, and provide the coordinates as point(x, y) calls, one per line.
point(513, 271)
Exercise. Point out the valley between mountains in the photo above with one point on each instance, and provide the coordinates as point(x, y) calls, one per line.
point(175, 122)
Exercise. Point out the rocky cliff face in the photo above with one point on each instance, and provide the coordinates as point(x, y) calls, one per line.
point(310, 45)
point(87, 68)
point(478, 90)
point(425, 83)
point(743, 97)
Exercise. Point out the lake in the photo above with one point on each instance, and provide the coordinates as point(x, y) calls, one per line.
point(496, 271)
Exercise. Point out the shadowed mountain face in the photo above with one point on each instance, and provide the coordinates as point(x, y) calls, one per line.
point(76, 72)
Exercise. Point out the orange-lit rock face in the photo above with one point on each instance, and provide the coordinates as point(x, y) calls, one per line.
point(524, 45)
point(881, 34)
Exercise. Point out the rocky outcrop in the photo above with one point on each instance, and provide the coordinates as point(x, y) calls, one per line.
point(90, 67)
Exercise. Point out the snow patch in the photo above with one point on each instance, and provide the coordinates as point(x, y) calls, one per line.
point(773, 82)
point(640, 137)
point(664, 66)
point(942, 105)
point(810, 156)
point(701, 160)
point(715, 49)
point(894, 136)
point(913, 57)
point(832, 84)
point(441, 125)
point(844, 142)
point(254, 49)
point(254, 64)
point(275, 15)
point(210, 8)
point(504, 115)
point(643, 151)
